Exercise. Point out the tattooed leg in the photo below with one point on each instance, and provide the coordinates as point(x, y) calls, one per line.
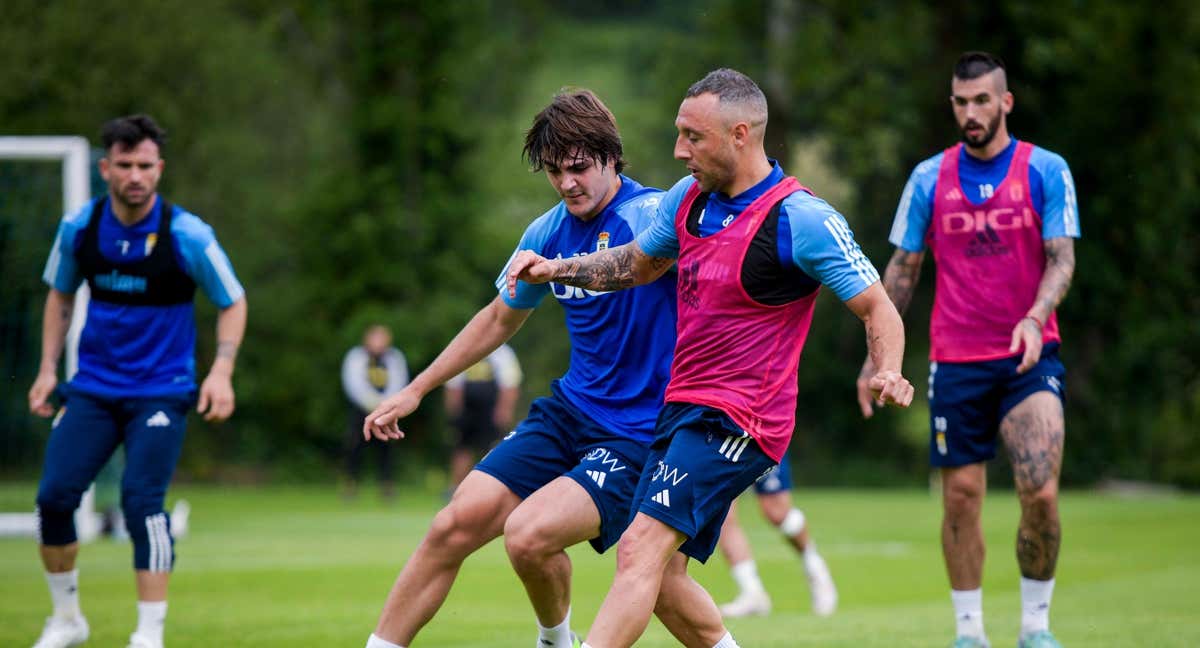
point(963, 489)
point(1033, 432)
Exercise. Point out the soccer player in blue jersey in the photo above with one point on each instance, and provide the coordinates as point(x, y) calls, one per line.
point(142, 259)
point(568, 472)
point(1000, 218)
point(753, 248)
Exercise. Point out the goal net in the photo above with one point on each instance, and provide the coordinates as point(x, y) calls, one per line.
point(41, 178)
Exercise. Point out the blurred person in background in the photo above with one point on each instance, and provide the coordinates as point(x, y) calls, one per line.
point(774, 494)
point(480, 404)
point(371, 372)
point(1001, 219)
point(142, 259)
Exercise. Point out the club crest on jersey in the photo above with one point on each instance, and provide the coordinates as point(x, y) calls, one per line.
point(151, 241)
point(602, 241)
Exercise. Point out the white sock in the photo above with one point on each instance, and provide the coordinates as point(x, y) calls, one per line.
point(375, 642)
point(810, 556)
point(152, 615)
point(557, 637)
point(745, 574)
point(968, 612)
point(64, 593)
point(726, 642)
point(1035, 605)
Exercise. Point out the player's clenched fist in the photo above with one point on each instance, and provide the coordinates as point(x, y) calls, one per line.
point(530, 267)
point(890, 388)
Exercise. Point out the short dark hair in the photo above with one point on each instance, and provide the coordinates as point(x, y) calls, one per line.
point(131, 130)
point(972, 65)
point(576, 121)
point(732, 87)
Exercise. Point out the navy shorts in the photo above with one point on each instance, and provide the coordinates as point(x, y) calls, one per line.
point(699, 463)
point(86, 433)
point(777, 480)
point(967, 401)
point(558, 440)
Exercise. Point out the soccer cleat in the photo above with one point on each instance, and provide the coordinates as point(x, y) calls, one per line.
point(820, 586)
point(747, 604)
point(576, 642)
point(60, 633)
point(1039, 639)
point(139, 641)
point(971, 642)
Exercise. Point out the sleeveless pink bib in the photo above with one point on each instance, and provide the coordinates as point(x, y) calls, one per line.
point(989, 260)
point(733, 353)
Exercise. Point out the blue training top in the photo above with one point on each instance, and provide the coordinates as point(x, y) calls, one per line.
point(130, 350)
point(812, 236)
point(621, 342)
point(1051, 190)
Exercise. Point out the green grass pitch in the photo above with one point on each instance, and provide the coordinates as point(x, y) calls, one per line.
point(298, 567)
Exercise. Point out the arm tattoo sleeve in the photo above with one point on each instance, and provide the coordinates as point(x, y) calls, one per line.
point(1056, 278)
point(612, 269)
point(900, 277)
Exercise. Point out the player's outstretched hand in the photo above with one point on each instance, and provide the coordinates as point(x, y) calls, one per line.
point(530, 267)
point(39, 393)
point(890, 388)
point(216, 397)
point(1027, 332)
point(383, 422)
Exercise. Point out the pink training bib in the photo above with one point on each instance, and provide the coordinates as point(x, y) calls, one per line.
point(733, 353)
point(989, 259)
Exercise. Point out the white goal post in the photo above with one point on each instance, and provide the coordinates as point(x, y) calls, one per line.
point(75, 154)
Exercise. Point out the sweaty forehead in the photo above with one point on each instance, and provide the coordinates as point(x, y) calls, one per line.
point(698, 113)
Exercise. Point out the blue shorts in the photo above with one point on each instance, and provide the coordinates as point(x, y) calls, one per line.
point(558, 440)
point(699, 463)
point(967, 401)
point(777, 480)
point(85, 435)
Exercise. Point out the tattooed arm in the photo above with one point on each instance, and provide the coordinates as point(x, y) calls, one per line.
point(216, 393)
point(900, 278)
point(1056, 280)
point(885, 346)
point(624, 266)
point(899, 282)
point(56, 319)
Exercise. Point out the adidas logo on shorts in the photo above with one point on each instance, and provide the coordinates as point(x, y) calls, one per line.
point(597, 476)
point(159, 419)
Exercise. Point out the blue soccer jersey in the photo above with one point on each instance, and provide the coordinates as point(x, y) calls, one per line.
point(136, 350)
point(622, 341)
point(1051, 190)
point(812, 237)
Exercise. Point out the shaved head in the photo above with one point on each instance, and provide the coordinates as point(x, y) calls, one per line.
point(973, 65)
point(741, 100)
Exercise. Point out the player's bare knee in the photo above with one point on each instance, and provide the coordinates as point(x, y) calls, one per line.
point(451, 534)
point(525, 544)
point(1040, 499)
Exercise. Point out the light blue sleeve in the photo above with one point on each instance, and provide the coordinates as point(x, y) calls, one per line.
point(204, 260)
point(534, 238)
point(824, 247)
point(915, 210)
point(1060, 208)
point(62, 268)
point(660, 239)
